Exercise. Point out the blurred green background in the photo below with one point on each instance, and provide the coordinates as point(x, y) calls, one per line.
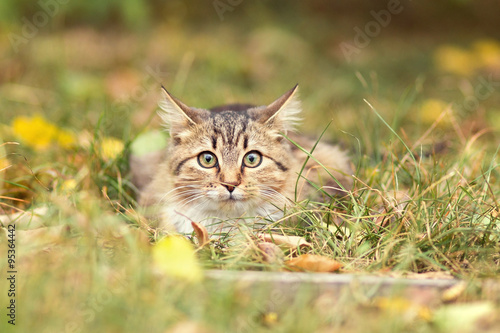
point(76, 62)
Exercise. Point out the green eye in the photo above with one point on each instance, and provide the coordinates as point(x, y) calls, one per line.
point(252, 159)
point(207, 159)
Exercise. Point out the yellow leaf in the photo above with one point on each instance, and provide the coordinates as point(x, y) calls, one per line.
point(313, 263)
point(175, 256)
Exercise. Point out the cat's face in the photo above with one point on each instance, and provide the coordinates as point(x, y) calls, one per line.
point(229, 161)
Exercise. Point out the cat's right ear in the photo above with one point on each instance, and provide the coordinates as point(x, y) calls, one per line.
point(176, 115)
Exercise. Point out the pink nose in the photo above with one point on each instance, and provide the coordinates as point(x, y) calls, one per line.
point(231, 185)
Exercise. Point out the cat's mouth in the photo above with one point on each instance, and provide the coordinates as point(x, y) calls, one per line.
point(233, 198)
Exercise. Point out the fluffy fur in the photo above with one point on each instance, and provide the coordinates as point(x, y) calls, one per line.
point(232, 189)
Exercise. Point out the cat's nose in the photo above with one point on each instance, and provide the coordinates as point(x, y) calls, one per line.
point(230, 186)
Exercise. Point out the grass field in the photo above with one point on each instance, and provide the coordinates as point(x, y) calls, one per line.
point(420, 117)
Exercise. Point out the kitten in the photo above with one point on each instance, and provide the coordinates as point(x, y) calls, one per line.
point(232, 164)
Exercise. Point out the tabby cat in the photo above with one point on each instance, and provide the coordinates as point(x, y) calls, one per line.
point(233, 164)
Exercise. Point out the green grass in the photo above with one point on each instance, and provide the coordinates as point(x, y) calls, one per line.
point(426, 195)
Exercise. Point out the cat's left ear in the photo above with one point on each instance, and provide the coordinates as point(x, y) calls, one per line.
point(283, 112)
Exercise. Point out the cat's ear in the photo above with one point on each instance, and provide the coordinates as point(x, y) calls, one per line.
point(283, 112)
point(176, 115)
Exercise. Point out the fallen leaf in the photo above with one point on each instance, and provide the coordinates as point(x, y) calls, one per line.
point(291, 242)
point(313, 263)
point(175, 256)
point(271, 253)
point(201, 234)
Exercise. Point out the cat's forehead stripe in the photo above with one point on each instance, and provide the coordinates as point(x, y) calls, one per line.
point(245, 141)
point(229, 125)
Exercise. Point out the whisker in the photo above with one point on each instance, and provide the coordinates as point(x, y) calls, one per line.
point(193, 199)
point(172, 191)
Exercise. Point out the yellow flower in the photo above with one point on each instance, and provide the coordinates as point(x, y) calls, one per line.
point(34, 131)
point(487, 52)
point(175, 256)
point(110, 148)
point(39, 134)
point(455, 60)
point(431, 109)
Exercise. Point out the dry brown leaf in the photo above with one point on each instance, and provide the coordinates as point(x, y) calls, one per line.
point(291, 242)
point(201, 234)
point(271, 253)
point(313, 263)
